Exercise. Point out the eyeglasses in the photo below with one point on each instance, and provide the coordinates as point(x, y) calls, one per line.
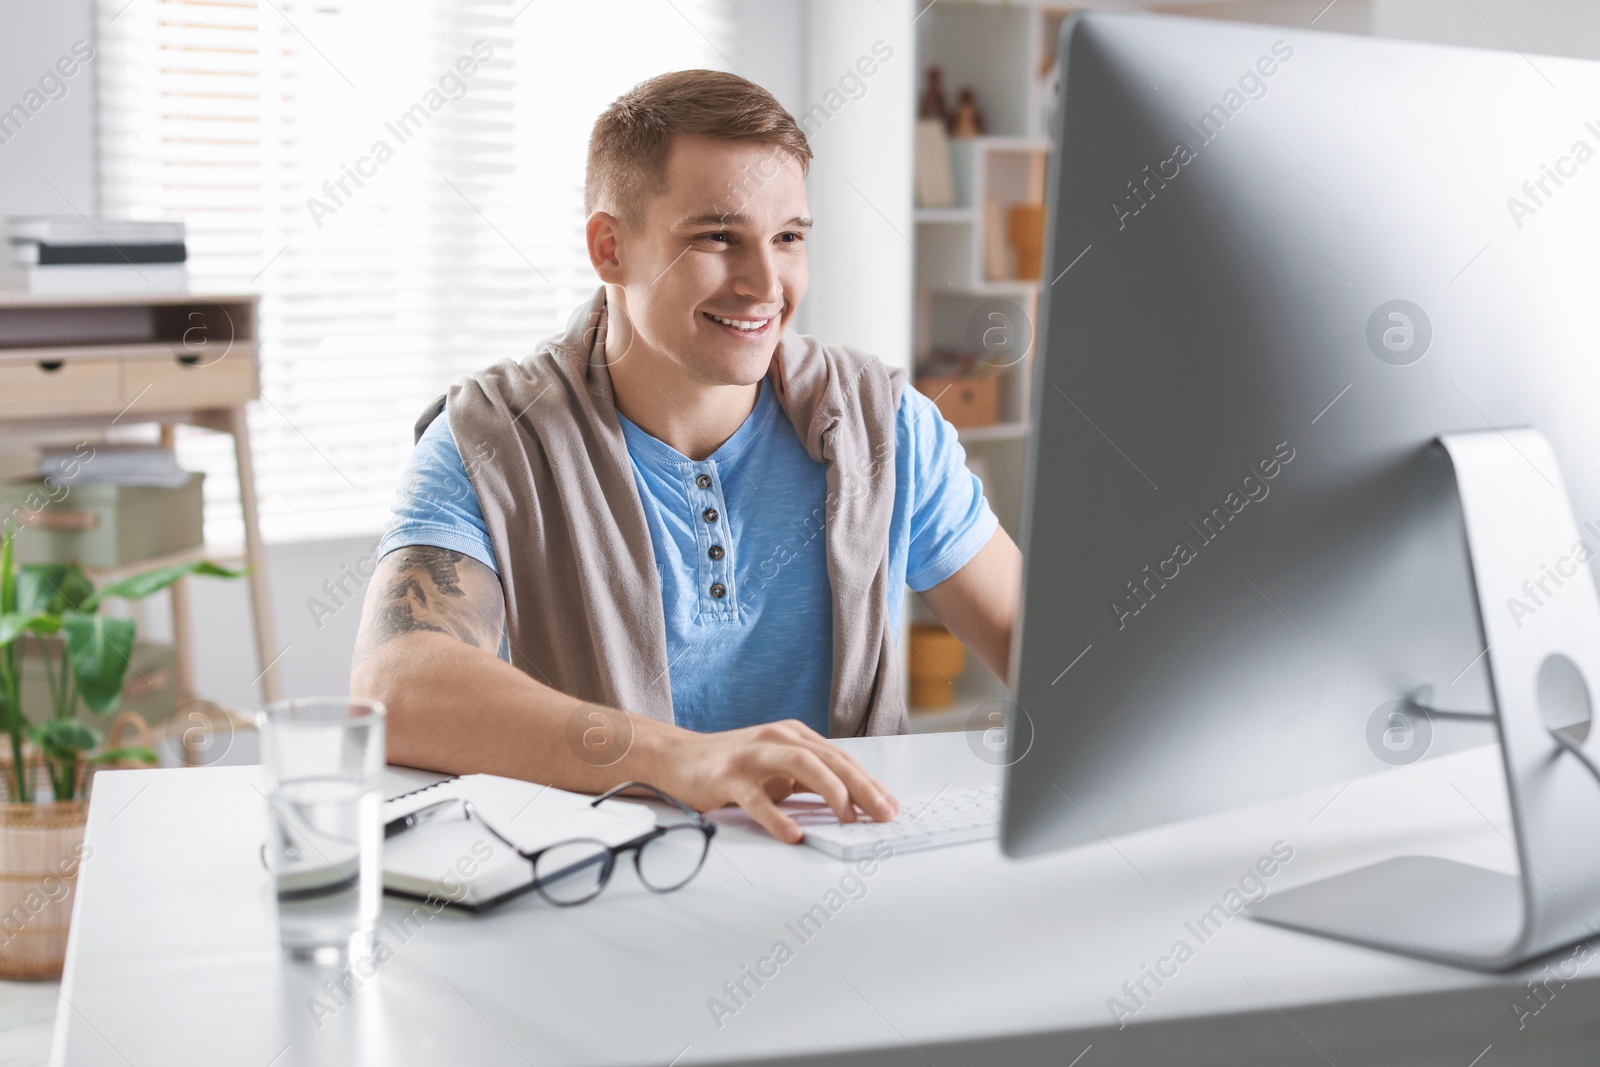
point(575, 871)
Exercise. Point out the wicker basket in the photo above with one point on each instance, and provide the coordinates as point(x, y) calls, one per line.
point(40, 849)
point(40, 846)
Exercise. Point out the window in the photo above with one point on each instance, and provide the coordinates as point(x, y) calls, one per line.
point(400, 180)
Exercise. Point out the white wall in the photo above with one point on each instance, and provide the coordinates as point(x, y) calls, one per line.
point(1535, 27)
point(1547, 27)
point(860, 184)
point(316, 645)
point(1343, 16)
point(55, 145)
point(860, 265)
point(769, 50)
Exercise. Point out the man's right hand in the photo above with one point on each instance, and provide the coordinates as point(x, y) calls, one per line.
point(757, 766)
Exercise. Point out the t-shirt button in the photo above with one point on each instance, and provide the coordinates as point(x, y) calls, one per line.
point(715, 551)
point(703, 481)
point(709, 514)
point(718, 590)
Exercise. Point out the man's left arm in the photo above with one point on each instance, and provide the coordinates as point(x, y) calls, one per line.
point(978, 603)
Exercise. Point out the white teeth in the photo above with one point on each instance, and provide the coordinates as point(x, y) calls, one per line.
point(742, 324)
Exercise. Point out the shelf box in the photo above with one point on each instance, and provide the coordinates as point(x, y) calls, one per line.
point(102, 525)
point(964, 400)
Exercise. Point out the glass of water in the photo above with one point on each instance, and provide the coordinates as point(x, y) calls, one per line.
point(324, 760)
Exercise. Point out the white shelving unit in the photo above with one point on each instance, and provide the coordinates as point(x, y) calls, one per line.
point(999, 50)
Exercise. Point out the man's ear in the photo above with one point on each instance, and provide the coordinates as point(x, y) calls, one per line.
point(603, 233)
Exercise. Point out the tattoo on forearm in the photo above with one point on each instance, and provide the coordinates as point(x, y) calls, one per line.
point(422, 590)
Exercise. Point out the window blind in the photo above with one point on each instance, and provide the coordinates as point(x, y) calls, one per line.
point(401, 182)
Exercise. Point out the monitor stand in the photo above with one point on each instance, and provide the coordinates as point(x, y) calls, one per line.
point(1543, 666)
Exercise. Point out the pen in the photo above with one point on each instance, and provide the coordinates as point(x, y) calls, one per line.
point(415, 818)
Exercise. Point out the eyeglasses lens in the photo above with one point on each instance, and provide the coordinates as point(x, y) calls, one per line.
point(573, 872)
point(668, 861)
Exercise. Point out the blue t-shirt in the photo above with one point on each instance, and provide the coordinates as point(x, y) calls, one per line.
point(744, 577)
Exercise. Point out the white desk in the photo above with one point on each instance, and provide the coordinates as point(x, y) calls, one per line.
point(951, 957)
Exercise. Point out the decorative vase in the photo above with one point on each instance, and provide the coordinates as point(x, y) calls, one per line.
point(966, 120)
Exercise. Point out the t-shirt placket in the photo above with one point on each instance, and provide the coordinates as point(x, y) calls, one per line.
point(713, 542)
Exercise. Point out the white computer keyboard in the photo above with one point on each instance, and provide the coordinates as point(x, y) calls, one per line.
point(949, 817)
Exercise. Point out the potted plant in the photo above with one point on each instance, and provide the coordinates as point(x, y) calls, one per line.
point(41, 827)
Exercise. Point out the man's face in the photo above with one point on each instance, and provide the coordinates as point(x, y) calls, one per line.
point(723, 239)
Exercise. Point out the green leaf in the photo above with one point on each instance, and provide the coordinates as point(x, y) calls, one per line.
point(52, 587)
point(139, 586)
point(14, 624)
point(65, 739)
point(99, 651)
point(131, 752)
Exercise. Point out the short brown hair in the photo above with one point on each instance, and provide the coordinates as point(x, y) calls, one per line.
point(630, 141)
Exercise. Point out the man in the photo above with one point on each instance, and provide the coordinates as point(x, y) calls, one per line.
point(686, 530)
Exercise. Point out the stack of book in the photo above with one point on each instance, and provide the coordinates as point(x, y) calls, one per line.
point(106, 463)
point(76, 254)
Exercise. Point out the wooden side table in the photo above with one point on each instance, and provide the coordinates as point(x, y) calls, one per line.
point(171, 358)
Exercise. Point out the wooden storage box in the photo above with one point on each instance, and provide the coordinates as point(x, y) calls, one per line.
point(964, 400)
point(102, 525)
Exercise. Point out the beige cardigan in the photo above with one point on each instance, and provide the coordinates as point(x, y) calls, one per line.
point(583, 596)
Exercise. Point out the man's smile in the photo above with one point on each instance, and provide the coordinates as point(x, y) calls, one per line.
point(741, 327)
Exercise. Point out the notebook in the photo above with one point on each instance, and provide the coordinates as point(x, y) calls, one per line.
point(454, 859)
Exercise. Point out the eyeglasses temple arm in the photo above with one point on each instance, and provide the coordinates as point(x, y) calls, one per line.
point(496, 834)
point(669, 798)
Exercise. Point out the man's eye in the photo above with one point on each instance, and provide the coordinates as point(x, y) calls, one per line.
point(718, 236)
point(797, 238)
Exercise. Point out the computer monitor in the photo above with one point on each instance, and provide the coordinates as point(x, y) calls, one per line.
point(1280, 264)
